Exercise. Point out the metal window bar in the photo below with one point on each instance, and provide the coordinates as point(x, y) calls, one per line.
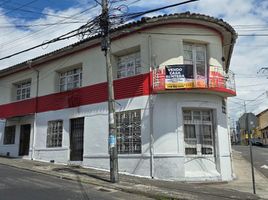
point(9, 135)
point(198, 132)
point(54, 133)
point(129, 132)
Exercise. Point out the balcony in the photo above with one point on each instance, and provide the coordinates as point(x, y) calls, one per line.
point(181, 77)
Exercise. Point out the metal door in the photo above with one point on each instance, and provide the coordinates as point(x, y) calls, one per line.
point(25, 131)
point(77, 139)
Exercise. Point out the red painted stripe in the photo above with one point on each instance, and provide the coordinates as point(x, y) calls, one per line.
point(19, 108)
point(124, 88)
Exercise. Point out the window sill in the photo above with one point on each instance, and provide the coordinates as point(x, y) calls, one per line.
point(53, 149)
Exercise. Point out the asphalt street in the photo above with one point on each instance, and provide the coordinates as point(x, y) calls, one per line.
point(17, 184)
point(260, 157)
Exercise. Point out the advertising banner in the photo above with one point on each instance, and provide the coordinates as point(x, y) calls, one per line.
point(179, 76)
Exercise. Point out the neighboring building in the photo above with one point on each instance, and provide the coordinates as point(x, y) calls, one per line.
point(248, 127)
point(172, 82)
point(263, 126)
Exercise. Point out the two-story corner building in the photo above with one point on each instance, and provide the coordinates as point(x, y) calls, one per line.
point(263, 126)
point(171, 83)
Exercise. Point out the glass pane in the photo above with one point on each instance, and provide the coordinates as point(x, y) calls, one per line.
point(207, 151)
point(197, 115)
point(189, 131)
point(200, 69)
point(190, 151)
point(200, 56)
point(207, 134)
point(206, 116)
point(62, 80)
point(187, 47)
point(187, 115)
point(188, 55)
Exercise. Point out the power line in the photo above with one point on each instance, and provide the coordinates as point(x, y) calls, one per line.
point(37, 25)
point(130, 16)
point(62, 37)
point(74, 16)
point(14, 9)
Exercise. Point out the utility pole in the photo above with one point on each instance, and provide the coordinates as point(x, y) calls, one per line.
point(245, 106)
point(249, 132)
point(106, 47)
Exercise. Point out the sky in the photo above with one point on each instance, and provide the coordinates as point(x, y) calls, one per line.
point(26, 23)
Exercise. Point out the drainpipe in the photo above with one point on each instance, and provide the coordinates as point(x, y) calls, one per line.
point(151, 109)
point(36, 107)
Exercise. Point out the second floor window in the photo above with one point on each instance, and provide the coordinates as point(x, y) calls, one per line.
point(70, 79)
point(195, 54)
point(23, 90)
point(129, 65)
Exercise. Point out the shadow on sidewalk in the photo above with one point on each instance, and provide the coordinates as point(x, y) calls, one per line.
point(82, 189)
point(73, 170)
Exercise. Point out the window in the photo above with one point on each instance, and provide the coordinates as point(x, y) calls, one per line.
point(128, 124)
point(129, 65)
point(9, 137)
point(71, 79)
point(195, 54)
point(54, 133)
point(23, 90)
point(198, 132)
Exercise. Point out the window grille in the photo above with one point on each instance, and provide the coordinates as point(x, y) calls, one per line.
point(23, 90)
point(128, 124)
point(198, 132)
point(54, 133)
point(71, 79)
point(129, 65)
point(9, 136)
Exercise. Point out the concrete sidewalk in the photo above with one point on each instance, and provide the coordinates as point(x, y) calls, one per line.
point(241, 188)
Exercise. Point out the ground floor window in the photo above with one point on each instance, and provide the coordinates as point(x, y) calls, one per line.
point(198, 132)
point(128, 124)
point(9, 136)
point(54, 133)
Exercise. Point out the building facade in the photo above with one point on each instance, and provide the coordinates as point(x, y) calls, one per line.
point(172, 80)
point(263, 126)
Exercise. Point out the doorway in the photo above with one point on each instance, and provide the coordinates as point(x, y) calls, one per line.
point(25, 132)
point(77, 139)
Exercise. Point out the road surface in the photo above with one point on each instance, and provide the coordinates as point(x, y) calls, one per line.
point(260, 157)
point(17, 184)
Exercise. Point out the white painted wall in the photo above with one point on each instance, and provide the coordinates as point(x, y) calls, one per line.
point(167, 48)
point(169, 137)
point(169, 159)
point(13, 149)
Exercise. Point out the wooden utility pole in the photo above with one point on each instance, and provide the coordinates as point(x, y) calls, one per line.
point(106, 47)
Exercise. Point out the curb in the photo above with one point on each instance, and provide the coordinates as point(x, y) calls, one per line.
point(119, 188)
point(150, 191)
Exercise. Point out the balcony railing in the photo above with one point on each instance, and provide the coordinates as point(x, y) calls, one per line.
point(181, 77)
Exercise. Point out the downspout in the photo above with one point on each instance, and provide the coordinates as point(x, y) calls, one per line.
point(151, 107)
point(36, 108)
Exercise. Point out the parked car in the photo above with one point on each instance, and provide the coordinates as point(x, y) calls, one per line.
point(257, 142)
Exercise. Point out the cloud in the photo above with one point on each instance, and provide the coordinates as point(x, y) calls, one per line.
point(14, 39)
